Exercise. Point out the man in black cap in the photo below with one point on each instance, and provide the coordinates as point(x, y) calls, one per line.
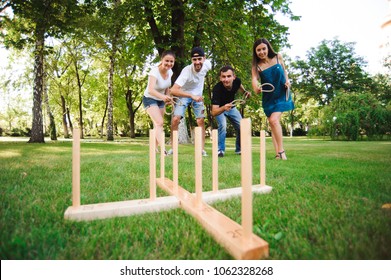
point(189, 87)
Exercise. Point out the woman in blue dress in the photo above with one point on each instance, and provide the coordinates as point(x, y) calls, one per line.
point(268, 67)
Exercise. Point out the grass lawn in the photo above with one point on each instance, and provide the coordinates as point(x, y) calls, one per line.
point(326, 201)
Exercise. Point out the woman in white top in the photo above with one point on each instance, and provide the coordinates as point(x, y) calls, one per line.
point(157, 92)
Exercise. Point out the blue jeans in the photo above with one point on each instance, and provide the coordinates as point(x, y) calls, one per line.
point(198, 107)
point(234, 117)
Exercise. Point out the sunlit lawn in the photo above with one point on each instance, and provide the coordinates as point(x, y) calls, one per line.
point(326, 201)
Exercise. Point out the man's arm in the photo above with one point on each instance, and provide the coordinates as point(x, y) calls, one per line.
point(176, 90)
point(246, 93)
point(217, 110)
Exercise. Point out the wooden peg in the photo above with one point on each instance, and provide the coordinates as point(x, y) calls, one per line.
point(215, 164)
point(246, 174)
point(198, 164)
point(76, 168)
point(175, 160)
point(152, 164)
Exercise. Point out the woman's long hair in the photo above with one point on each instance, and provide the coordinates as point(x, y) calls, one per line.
point(271, 52)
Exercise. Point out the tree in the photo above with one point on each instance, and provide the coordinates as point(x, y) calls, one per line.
point(356, 114)
point(30, 22)
point(331, 67)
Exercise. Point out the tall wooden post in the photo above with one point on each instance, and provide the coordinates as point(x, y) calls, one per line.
point(152, 164)
point(162, 155)
point(246, 174)
point(263, 158)
point(215, 164)
point(175, 160)
point(198, 164)
point(76, 168)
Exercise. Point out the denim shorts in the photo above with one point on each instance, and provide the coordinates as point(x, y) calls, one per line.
point(148, 102)
point(198, 107)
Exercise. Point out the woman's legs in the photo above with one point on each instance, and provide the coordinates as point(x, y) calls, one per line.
point(275, 125)
point(156, 115)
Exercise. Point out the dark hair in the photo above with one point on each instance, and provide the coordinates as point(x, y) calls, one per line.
point(168, 52)
point(226, 68)
point(271, 52)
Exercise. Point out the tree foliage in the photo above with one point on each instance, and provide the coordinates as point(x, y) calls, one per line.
point(331, 67)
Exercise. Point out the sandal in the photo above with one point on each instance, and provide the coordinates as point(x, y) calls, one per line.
point(279, 155)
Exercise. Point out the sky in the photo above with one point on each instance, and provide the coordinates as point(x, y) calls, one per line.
point(349, 20)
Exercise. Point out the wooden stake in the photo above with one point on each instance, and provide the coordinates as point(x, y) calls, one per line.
point(215, 161)
point(76, 168)
point(246, 173)
point(162, 149)
point(152, 164)
point(263, 158)
point(198, 164)
point(175, 160)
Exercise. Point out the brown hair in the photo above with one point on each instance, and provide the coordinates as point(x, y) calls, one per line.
point(271, 52)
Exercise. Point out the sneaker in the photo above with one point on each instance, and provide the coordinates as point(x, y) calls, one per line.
point(170, 152)
point(220, 154)
point(238, 153)
point(204, 154)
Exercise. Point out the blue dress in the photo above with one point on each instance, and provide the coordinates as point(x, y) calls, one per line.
point(277, 100)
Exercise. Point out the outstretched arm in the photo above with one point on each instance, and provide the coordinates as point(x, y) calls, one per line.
point(176, 90)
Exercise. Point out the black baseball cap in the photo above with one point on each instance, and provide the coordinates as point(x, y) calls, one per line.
point(197, 52)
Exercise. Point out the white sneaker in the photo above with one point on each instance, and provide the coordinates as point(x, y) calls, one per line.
point(170, 152)
point(204, 154)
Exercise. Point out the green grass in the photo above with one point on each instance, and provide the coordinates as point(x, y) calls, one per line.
point(326, 201)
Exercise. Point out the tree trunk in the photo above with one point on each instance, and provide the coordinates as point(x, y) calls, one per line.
point(52, 124)
point(103, 120)
point(110, 119)
point(64, 118)
point(131, 111)
point(37, 125)
point(183, 136)
point(79, 86)
point(110, 97)
point(69, 119)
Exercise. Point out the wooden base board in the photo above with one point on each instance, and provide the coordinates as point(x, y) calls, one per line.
point(97, 211)
point(224, 194)
point(226, 232)
point(120, 209)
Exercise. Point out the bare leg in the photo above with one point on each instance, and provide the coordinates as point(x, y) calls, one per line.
point(274, 121)
point(174, 124)
point(156, 115)
point(201, 123)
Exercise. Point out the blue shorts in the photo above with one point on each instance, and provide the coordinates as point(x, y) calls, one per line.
point(148, 102)
point(184, 102)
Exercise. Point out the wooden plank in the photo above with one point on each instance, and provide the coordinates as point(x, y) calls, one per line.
point(224, 194)
point(76, 168)
point(97, 211)
point(225, 231)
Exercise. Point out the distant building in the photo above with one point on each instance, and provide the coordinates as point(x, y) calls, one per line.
point(385, 46)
